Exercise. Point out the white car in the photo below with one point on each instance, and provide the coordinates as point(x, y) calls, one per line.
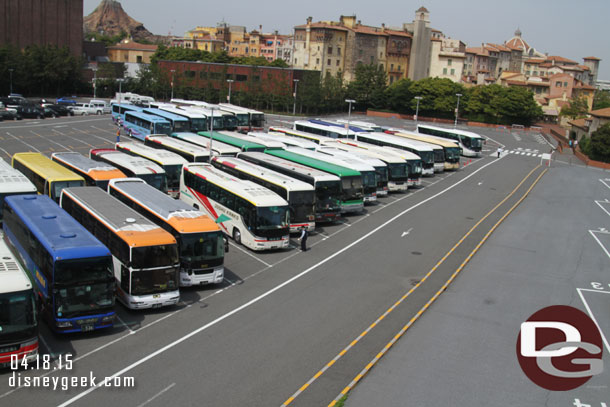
point(82, 109)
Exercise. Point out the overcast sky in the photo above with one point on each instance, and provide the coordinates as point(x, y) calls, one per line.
point(566, 28)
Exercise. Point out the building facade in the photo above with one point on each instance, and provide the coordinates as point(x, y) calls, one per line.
point(447, 58)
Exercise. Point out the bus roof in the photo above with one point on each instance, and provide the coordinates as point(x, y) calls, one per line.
point(133, 228)
point(161, 157)
point(254, 138)
point(360, 149)
point(396, 140)
point(219, 146)
point(315, 138)
point(11, 180)
point(353, 155)
point(274, 177)
point(338, 170)
point(137, 165)
point(361, 124)
point(347, 162)
point(165, 114)
point(45, 167)
point(439, 141)
point(129, 106)
point(204, 110)
point(95, 169)
point(388, 152)
point(181, 112)
point(456, 131)
point(314, 173)
point(241, 143)
point(181, 216)
point(331, 123)
point(285, 139)
point(248, 190)
point(61, 235)
point(178, 144)
point(236, 108)
point(14, 277)
point(320, 124)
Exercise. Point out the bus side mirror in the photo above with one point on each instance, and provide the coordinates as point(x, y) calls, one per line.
point(226, 244)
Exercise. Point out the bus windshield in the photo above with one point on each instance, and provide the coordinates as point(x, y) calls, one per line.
point(369, 178)
point(154, 256)
point(59, 185)
point(242, 119)
point(218, 122)
point(453, 154)
point(17, 312)
point(154, 281)
point(426, 156)
point(173, 175)
point(257, 120)
point(158, 181)
point(414, 167)
point(382, 173)
point(473, 143)
point(327, 194)
point(398, 171)
point(181, 126)
point(352, 187)
point(301, 205)
point(271, 217)
point(439, 156)
point(73, 300)
point(230, 121)
point(201, 247)
point(81, 271)
point(200, 124)
point(163, 128)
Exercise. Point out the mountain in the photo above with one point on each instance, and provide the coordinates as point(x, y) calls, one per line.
point(110, 19)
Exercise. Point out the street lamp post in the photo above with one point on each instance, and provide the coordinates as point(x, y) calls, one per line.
point(10, 71)
point(229, 95)
point(349, 114)
point(173, 70)
point(418, 98)
point(294, 106)
point(94, 83)
point(457, 108)
point(120, 80)
point(211, 135)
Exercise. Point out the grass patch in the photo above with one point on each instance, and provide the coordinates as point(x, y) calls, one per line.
point(341, 402)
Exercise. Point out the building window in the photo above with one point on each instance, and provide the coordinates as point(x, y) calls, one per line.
point(391, 67)
point(398, 68)
point(372, 59)
point(444, 71)
point(527, 72)
point(452, 71)
point(139, 59)
point(535, 73)
point(330, 50)
point(338, 51)
point(558, 84)
point(328, 62)
point(449, 62)
point(337, 62)
point(317, 61)
point(565, 84)
point(295, 61)
point(241, 78)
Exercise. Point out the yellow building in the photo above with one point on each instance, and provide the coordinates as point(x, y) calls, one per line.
point(128, 51)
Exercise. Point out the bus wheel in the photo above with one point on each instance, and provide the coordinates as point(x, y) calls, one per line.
point(237, 236)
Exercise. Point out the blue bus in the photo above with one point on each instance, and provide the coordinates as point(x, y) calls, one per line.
point(178, 123)
point(140, 125)
point(72, 270)
point(119, 110)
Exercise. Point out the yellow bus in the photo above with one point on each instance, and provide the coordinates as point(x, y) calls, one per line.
point(451, 148)
point(95, 173)
point(48, 176)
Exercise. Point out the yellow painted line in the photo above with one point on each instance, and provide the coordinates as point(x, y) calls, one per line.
point(355, 341)
point(360, 375)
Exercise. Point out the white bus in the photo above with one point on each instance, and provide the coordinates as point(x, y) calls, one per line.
point(303, 135)
point(471, 143)
point(200, 240)
point(299, 195)
point(217, 147)
point(223, 120)
point(451, 148)
point(12, 182)
point(18, 320)
point(190, 152)
point(145, 257)
point(170, 162)
point(256, 119)
point(269, 144)
point(132, 166)
point(198, 121)
point(253, 215)
point(323, 129)
point(286, 140)
point(426, 153)
point(381, 168)
point(367, 126)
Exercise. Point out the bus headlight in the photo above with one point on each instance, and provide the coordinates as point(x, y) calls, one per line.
point(108, 318)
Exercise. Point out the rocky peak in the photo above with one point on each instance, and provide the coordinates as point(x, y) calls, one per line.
point(109, 18)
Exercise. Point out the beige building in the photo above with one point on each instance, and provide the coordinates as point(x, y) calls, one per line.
point(128, 51)
point(320, 46)
point(447, 58)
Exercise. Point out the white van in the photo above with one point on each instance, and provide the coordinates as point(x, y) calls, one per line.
point(101, 104)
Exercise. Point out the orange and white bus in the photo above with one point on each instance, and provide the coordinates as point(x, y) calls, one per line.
point(200, 240)
point(145, 257)
point(95, 173)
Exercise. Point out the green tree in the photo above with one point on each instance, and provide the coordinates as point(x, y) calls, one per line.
point(483, 103)
point(368, 86)
point(601, 99)
point(399, 97)
point(578, 108)
point(599, 146)
point(438, 96)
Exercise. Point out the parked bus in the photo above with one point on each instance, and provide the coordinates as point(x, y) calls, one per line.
point(197, 121)
point(71, 268)
point(285, 139)
point(299, 195)
point(413, 161)
point(49, 177)
point(190, 152)
point(380, 167)
point(222, 120)
point(119, 110)
point(303, 135)
point(170, 162)
point(397, 169)
point(367, 172)
point(322, 129)
point(351, 181)
point(256, 119)
point(253, 215)
point(18, 319)
point(217, 147)
point(268, 144)
point(132, 166)
point(200, 240)
point(451, 149)
point(366, 126)
point(177, 122)
point(470, 143)
point(426, 153)
point(95, 173)
point(145, 257)
point(241, 143)
point(327, 187)
point(140, 124)
point(12, 182)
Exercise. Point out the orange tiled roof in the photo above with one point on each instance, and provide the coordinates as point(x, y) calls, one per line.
point(323, 25)
point(477, 50)
point(582, 123)
point(518, 43)
point(601, 113)
point(136, 46)
point(592, 58)
point(500, 47)
point(398, 33)
point(584, 67)
point(561, 59)
point(546, 65)
point(580, 85)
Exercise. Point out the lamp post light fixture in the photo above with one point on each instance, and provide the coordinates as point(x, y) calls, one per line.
point(457, 108)
point(349, 114)
point(294, 105)
point(418, 98)
point(173, 71)
point(10, 71)
point(230, 81)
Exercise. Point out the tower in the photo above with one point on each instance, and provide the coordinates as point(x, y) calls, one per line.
point(419, 64)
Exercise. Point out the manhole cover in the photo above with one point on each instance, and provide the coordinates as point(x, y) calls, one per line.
point(469, 218)
point(416, 253)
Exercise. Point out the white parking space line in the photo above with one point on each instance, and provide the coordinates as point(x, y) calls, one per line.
point(124, 324)
point(29, 145)
point(593, 232)
point(73, 138)
point(600, 204)
point(582, 297)
point(606, 182)
point(49, 140)
point(249, 254)
point(157, 395)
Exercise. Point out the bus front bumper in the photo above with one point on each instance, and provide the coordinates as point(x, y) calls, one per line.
point(195, 277)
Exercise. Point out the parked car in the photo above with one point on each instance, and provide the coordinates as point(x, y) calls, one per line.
point(66, 100)
point(106, 109)
point(30, 111)
point(8, 114)
point(60, 110)
point(13, 102)
point(82, 109)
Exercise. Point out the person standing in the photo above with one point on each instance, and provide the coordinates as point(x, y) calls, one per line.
point(499, 151)
point(303, 239)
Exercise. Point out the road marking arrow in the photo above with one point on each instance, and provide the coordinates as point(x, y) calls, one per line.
point(406, 233)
